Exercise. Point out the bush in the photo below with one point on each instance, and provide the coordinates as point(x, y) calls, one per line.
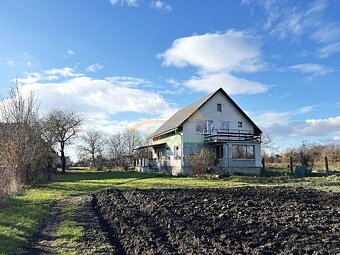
point(201, 161)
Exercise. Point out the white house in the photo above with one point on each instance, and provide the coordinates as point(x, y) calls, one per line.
point(215, 122)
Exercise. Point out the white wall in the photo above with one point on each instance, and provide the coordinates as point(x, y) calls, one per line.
point(209, 112)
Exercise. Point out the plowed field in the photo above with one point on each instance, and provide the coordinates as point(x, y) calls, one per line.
point(248, 220)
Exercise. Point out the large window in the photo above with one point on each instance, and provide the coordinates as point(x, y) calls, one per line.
point(204, 126)
point(243, 152)
point(200, 126)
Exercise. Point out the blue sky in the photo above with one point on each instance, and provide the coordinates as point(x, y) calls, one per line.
point(122, 62)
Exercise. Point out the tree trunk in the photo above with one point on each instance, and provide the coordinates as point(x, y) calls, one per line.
point(93, 161)
point(63, 160)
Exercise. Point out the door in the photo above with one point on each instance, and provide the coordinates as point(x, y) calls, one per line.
point(218, 151)
point(210, 126)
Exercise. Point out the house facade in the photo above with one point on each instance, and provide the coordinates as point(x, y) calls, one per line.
point(215, 122)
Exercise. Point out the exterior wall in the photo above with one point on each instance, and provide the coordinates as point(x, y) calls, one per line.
point(209, 112)
point(191, 142)
point(168, 163)
point(246, 166)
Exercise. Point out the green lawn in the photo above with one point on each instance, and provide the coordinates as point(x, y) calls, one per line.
point(21, 214)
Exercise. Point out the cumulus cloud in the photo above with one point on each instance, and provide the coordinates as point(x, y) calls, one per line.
point(218, 51)
point(160, 5)
point(99, 100)
point(284, 124)
point(217, 56)
point(96, 97)
point(320, 127)
point(231, 84)
point(94, 68)
point(267, 119)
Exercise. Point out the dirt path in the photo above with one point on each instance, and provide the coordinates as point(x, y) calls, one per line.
point(43, 241)
point(93, 240)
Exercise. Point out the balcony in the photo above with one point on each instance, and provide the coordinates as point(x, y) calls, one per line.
point(228, 135)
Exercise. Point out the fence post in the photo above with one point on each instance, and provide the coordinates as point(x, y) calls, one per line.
point(291, 164)
point(263, 164)
point(326, 165)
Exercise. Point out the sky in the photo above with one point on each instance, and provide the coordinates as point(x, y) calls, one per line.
point(133, 63)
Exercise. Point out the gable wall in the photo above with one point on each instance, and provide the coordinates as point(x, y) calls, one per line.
point(209, 112)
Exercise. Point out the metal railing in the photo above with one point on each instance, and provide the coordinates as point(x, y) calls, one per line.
point(226, 135)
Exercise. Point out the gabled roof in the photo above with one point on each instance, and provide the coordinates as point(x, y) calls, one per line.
point(182, 115)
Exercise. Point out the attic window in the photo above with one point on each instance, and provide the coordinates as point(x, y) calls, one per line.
point(219, 107)
point(240, 124)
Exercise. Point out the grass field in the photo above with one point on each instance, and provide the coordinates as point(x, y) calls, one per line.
point(20, 215)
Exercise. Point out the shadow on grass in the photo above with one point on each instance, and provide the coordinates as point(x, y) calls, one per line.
point(18, 220)
point(75, 176)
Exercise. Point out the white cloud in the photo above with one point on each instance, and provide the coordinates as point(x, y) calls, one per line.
point(9, 62)
point(94, 68)
point(63, 72)
point(306, 109)
point(328, 50)
point(289, 19)
point(160, 5)
point(232, 84)
point(320, 127)
point(49, 75)
point(269, 119)
point(174, 82)
point(292, 19)
point(95, 97)
point(232, 50)
point(282, 125)
point(217, 55)
point(70, 52)
point(132, 3)
point(127, 81)
point(313, 69)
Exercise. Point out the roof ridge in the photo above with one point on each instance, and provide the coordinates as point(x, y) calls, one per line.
point(177, 119)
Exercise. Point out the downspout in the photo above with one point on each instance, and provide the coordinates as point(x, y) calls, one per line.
point(182, 150)
point(228, 150)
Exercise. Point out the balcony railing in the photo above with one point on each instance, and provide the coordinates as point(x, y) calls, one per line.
point(227, 135)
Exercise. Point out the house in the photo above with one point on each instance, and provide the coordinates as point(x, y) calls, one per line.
point(215, 122)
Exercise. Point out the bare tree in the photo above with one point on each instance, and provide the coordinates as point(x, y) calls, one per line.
point(92, 144)
point(24, 154)
point(63, 126)
point(308, 154)
point(117, 146)
point(267, 142)
point(133, 139)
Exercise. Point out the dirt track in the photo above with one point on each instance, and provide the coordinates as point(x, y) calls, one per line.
point(221, 221)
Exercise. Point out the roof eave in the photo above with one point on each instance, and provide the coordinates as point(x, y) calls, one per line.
point(163, 133)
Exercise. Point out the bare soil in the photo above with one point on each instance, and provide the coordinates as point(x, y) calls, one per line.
point(43, 241)
point(248, 220)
